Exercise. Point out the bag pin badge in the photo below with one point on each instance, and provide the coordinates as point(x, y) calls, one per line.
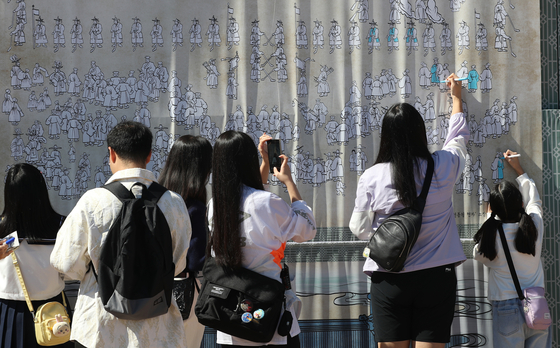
point(246, 317)
point(246, 306)
point(258, 314)
point(366, 252)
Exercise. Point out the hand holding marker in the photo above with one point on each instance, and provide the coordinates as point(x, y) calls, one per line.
point(461, 79)
point(511, 156)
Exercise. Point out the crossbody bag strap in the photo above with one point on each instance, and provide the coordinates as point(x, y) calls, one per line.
point(510, 262)
point(421, 200)
point(18, 270)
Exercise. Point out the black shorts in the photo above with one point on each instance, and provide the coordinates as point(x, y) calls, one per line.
point(417, 306)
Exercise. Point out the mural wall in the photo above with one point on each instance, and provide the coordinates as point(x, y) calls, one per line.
point(317, 75)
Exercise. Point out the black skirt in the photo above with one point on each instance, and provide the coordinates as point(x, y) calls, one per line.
point(17, 329)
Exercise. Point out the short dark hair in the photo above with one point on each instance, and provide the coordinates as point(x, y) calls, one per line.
point(132, 141)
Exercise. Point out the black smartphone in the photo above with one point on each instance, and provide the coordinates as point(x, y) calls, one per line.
point(274, 153)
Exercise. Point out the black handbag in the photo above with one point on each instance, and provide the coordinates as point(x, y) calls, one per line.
point(391, 243)
point(183, 291)
point(239, 302)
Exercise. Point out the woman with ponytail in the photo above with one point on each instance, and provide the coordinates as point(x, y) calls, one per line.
point(519, 211)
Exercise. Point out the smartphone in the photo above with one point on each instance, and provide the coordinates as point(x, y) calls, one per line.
point(274, 153)
point(12, 241)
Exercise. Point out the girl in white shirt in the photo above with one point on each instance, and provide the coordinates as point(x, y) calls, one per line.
point(520, 213)
point(250, 226)
point(27, 210)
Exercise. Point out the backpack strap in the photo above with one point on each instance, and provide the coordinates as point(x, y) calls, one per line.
point(119, 190)
point(155, 191)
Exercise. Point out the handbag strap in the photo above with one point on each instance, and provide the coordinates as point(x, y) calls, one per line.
point(420, 201)
point(24, 288)
point(20, 276)
point(510, 262)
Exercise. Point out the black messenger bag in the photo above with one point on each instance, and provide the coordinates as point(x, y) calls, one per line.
point(391, 243)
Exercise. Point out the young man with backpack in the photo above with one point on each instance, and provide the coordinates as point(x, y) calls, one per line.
point(96, 247)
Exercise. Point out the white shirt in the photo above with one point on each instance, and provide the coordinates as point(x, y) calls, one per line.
point(79, 242)
point(41, 279)
point(528, 267)
point(268, 224)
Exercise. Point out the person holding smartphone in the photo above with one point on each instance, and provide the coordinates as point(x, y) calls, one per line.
point(257, 242)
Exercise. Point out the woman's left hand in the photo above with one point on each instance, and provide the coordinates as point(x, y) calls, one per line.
point(4, 250)
point(263, 148)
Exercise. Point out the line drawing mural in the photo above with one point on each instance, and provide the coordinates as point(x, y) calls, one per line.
point(319, 81)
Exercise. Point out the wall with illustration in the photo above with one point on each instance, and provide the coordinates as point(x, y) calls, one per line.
point(317, 75)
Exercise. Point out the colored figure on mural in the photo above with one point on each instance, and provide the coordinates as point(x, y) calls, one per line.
point(392, 37)
point(411, 39)
point(473, 79)
point(373, 37)
point(497, 168)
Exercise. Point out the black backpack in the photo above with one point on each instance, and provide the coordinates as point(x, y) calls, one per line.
point(136, 269)
point(391, 243)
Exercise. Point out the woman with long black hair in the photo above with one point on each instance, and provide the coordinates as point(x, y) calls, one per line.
point(27, 210)
point(417, 304)
point(518, 209)
point(250, 226)
point(186, 172)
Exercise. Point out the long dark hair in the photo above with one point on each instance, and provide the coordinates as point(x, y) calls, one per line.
point(235, 163)
point(187, 167)
point(27, 208)
point(507, 203)
point(403, 142)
